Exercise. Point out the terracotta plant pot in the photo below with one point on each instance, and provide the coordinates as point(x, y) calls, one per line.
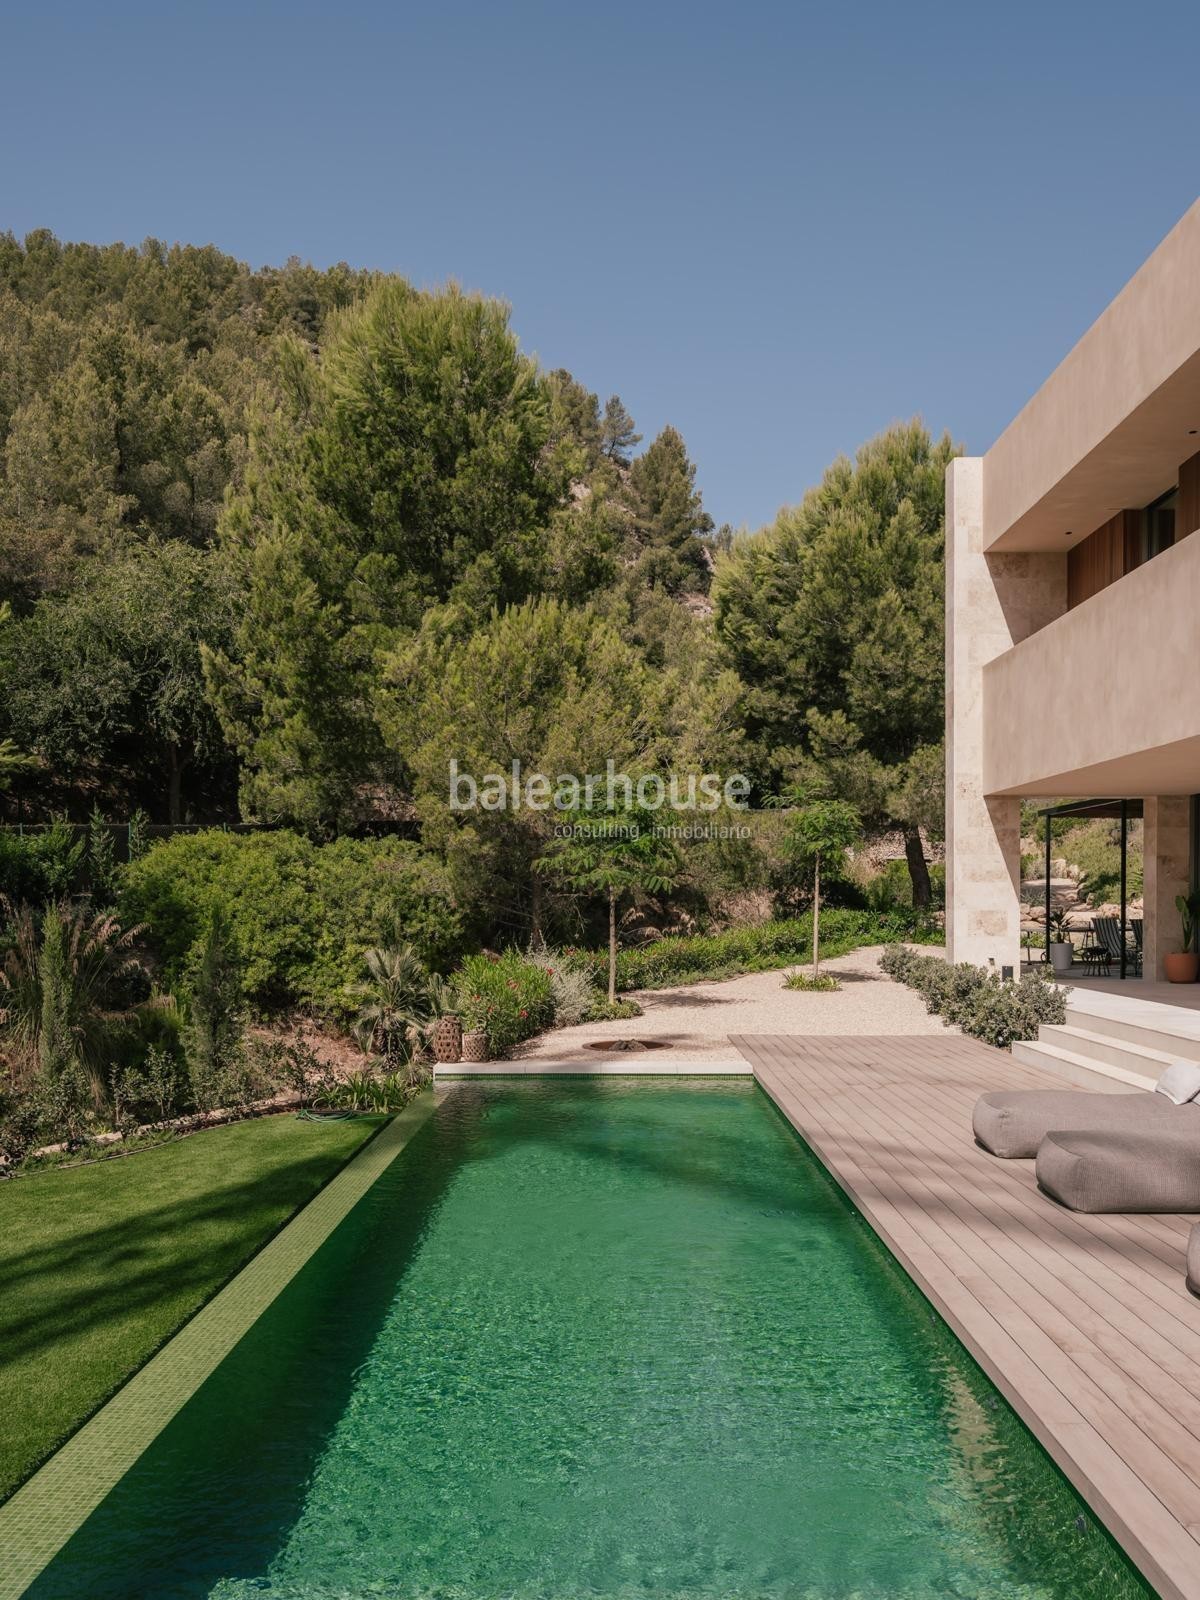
point(446, 1038)
point(475, 1046)
point(1182, 967)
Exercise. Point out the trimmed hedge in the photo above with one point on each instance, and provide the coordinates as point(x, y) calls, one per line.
point(758, 948)
point(980, 1002)
point(301, 914)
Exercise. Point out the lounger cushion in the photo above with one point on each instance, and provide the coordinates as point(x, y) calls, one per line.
point(1180, 1082)
point(1152, 1169)
point(1013, 1122)
point(1193, 1260)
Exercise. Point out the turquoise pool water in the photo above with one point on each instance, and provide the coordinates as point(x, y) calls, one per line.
point(588, 1339)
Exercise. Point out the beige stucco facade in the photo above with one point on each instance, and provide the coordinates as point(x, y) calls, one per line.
point(1095, 699)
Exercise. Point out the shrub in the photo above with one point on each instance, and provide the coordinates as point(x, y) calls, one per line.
point(294, 1065)
point(759, 948)
point(366, 1092)
point(155, 1091)
point(508, 996)
point(20, 1121)
point(980, 1002)
point(63, 986)
point(40, 865)
point(823, 983)
point(302, 915)
point(64, 1106)
point(572, 985)
point(601, 1010)
point(212, 992)
point(891, 888)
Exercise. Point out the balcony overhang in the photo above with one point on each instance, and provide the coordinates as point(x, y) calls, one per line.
point(1103, 700)
point(1110, 426)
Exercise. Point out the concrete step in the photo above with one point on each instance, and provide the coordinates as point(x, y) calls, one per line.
point(1106, 1050)
point(1175, 1037)
point(1084, 1072)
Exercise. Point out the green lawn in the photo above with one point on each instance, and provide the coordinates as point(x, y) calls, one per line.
point(100, 1264)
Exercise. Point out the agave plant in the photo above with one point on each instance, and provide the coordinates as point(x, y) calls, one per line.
point(57, 984)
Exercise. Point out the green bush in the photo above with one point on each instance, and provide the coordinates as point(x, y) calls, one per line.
point(758, 948)
point(508, 996)
point(891, 888)
point(619, 1011)
point(301, 914)
point(980, 1002)
point(43, 864)
point(572, 985)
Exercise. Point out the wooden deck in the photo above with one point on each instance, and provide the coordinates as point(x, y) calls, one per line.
point(1084, 1323)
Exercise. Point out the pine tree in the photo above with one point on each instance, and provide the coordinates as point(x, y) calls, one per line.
point(833, 619)
point(670, 519)
point(619, 435)
point(409, 466)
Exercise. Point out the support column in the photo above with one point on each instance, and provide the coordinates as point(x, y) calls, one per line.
point(983, 835)
point(1166, 843)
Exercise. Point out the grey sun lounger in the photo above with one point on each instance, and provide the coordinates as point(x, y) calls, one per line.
point(1013, 1122)
point(1135, 1169)
point(1193, 1260)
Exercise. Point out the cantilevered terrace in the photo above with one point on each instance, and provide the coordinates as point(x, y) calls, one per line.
point(1073, 609)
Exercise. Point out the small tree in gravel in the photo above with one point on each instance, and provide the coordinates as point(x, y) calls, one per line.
point(819, 833)
point(613, 853)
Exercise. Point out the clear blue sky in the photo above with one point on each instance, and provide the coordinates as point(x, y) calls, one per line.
point(777, 226)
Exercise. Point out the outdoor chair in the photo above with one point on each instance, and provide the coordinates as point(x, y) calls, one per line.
point(1094, 954)
point(1108, 931)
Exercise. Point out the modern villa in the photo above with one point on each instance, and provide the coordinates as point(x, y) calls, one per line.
point(1073, 611)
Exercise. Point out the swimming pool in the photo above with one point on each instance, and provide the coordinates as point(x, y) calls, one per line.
point(604, 1339)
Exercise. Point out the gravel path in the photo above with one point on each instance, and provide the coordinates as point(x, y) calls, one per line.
point(695, 1021)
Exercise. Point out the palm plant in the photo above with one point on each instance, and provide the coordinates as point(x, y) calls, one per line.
point(58, 983)
point(397, 1001)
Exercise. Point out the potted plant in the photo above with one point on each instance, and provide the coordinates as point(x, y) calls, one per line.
point(475, 1044)
point(1062, 951)
point(1183, 966)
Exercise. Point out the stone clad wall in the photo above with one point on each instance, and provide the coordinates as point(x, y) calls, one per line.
point(991, 603)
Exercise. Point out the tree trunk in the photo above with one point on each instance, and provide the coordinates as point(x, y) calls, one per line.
point(817, 915)
point(535, 909)
point(918, 871)
point(612, 947)
point(174, 784)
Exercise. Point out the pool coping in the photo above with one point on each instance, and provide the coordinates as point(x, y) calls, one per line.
point(55, 1502)
point(619, 1066)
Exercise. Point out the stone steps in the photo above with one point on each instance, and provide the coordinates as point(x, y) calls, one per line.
point(1083, 1071)
point(1133, 1048)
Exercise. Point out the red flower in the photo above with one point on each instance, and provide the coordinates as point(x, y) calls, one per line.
point(524, 1013)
